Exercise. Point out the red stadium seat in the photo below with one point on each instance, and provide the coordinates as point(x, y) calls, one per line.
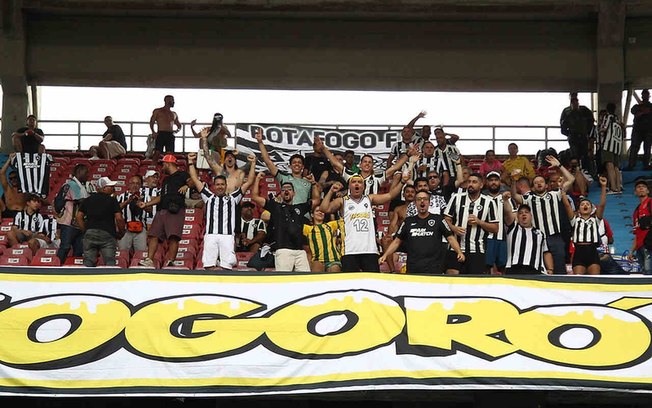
point(243, 258)
point(185, 264)
point(19, 251)
point(12, 260)
point(46, 260)
point(74, 261)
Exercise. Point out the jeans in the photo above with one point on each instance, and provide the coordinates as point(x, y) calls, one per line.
point(556, 247)
point(99, 240)
point(70, 236)
point(643, 257)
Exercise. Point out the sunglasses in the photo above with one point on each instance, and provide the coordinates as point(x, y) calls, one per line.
point(433, 177)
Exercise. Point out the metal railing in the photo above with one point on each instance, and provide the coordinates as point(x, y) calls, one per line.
point(474, 139)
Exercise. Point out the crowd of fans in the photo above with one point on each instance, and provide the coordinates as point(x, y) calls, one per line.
point(522, 215)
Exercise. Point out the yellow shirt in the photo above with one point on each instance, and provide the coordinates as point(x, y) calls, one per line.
point(322, 241)
point(519, 163)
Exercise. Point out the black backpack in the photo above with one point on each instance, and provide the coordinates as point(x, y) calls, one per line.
point(60, 199)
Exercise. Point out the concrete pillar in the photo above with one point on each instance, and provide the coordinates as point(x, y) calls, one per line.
point(13, 78)
point(610, 53)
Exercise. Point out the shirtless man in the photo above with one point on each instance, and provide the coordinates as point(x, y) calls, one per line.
point(165, 120)
point(234, 176)
point(217, 136)
point(14, 200)
point(398, 216)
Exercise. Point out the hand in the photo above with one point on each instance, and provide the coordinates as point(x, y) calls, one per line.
point(193, 122)
point(192, 157)
point(12, 155)
point(260, 176)
point(473, 219)
point(337, 186)
point(630, 256)
point(259, 135)
point(154, 135)
point(553, 161)
point(507, 195)
point(311, 178)
point(422, 114)
point(458, 230)
point(382, 259)
point(140, 205)
point(183, 189)
point(251, 158)
point(603, 181)
point(460, 257)
point(317, 144)
point(204, 132)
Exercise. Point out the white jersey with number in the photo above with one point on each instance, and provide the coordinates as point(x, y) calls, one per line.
point(359, 226)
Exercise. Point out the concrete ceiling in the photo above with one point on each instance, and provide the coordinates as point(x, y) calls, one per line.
point(337, 9)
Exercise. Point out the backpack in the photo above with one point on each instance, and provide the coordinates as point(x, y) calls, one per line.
point(60, 199)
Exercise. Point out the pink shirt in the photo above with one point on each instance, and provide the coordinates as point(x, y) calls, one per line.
point(485, 167)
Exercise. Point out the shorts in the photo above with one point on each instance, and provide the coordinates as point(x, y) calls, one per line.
point(586, 255)
point(474, 263)
point(360, 263)
point(332, 263)
point(164, 142)
point(167, 225)
point(521, 270)
point(219, 247)
point(496, 253)
point(609, 157)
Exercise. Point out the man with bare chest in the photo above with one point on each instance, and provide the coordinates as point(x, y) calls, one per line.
point(165, 120)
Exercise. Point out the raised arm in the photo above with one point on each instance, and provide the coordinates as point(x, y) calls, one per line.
point(569, 179)
point(192, 170)
point(255, 191)
point(3, 172)
point(192, 128)
point(394, 191)
point(508, 210)
point(203, 143)
point(319, 146)
point(599, 212)
point(251, 175)
point(330, 205)
point(414, 120)
point(263, 152)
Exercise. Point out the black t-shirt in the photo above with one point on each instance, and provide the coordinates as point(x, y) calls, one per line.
point(317, 165)
point(116, 134)
point(29, 142)
point(100, 210)
point(642, 116)
point(287, 222)
point(170, 189)
point(422, 239)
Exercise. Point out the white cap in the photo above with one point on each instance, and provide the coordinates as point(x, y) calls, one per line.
point(105, 182)
point(150, 173)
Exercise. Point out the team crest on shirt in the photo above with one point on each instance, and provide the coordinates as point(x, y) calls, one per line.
point(298, 211)
point(431, 223)
point(351, 207)
point(479, 207)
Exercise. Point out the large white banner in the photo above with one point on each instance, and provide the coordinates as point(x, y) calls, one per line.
point(217, 335)
point(283, 140)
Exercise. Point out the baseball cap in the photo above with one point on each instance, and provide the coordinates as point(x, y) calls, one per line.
point(150, 173)
point(640, 181)
point(169, 158)
point(106, 182)
point(493, 173)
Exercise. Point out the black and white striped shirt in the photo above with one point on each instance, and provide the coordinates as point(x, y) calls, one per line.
point(401, 147)
point(372, 182)
point(27, 222)
point(33, 171)
point(586, 231)
point(545, 211)
point(458, 209)
point(131, 212)
point(220, 211)
point(429, 162)
point(49, 227)
point(525, 247)
point(251, 228)
point(148, 193)
point(444, 160)
point(611, 135)
point(498, 202)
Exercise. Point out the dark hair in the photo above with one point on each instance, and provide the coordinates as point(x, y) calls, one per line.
point(297, 156)
point(219, 177)
point(611, 108)
point(79, 167)
point(476, 174)
point(248, 204)
point(31, 116)
point(286, 183)
point(423, 190)
point(31, 197)
point(418, 179)
point(524, 207)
